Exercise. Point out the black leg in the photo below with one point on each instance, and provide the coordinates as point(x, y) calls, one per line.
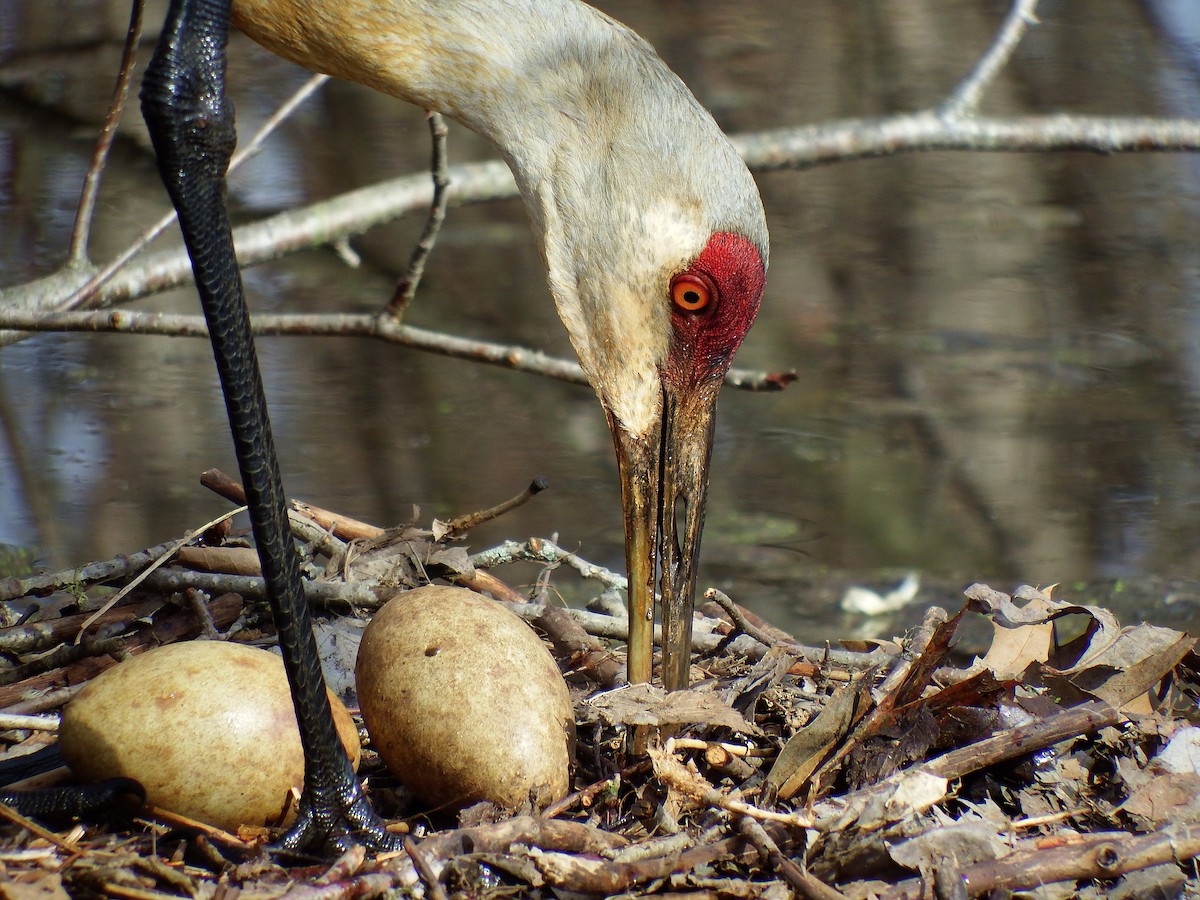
point(191, 124)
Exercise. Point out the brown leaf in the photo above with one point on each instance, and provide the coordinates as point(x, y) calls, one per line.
point(1132, 664)
point(1025, 635)
point(1167, 798)
point(228, 560)
point(812, 744)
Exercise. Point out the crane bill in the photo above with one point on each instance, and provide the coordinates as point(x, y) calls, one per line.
point(638, 464)
point(664, 481)
point(683, 486)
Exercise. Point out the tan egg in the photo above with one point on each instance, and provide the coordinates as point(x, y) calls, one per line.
point(464, 702)
point(207, 727)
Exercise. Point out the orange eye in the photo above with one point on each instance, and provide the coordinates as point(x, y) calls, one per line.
point(691, 293)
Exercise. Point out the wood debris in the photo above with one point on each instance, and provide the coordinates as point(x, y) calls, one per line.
point(1058, 757)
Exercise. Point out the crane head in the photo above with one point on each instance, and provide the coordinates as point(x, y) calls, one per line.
point(664, 457)
point(656, 246)
point(650, 225)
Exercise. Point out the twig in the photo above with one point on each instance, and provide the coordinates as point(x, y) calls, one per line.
point(587, 794)
point(506, 356)
point(140, 577)
point(581, 652)
point(849, 139)
point(913, 659)
point(77, 250)
point(806, 884)
point(92, 573)
point(176, 625)
point(10, 814)
point(407, 288)
point(30, 637)
point(333, 221)
point(964, 99)
point(28, 723)
point(740, 622)
point(311, 524)
point(428, 877)
point(1069, 723)
point(671, 771)
point(460, 525)
point(1102, 855)
point(836, 812)
point(546, 551)
point(83, 297)
point(739, 750)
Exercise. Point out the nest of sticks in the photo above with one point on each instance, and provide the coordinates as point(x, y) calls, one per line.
point(893, 769)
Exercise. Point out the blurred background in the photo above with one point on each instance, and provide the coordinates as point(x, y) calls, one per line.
point(997, 353)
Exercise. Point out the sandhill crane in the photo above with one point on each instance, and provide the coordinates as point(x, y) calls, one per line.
point(650, 226)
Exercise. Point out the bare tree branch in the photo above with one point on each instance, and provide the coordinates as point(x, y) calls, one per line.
point(964, 99)
point(382, 327)
point(407, 288)
point(951, 126)
point(355, 212)
point(77, 252)
point(88, 292)
point(812, 145)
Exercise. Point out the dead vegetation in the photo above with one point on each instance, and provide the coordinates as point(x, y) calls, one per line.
point(1060, 763)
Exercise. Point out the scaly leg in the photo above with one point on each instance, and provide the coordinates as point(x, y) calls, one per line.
point(191, 125)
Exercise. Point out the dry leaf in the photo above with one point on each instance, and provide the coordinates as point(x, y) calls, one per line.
point(1134, 663)
point(812, 744)
point(1025, 635)
point(960, 844)
point(226, 560)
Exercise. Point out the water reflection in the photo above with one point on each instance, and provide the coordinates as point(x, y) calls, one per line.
point(997, 353)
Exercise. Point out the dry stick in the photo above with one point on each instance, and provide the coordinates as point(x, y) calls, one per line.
point(547, 551)
point(371, 595)
point(587, 794)
point(964, 99)
point(139, 578)
point(351, 529)
point(92, 573)
point(1069, 723)
point(7, 812)
point(48, 700)
point(609, 878)
point(331, 221)
point(428, 877)
point(407, 288)
point(77, 250)
point(882, 710)
point(175, 626)
point(583, 653)
point(1013, 742)
point(34, 636)
point(311, 524)
point(671, 771)
point(28, 723)
point(1103, 855)
point(740, 622)
point(776, 634)
point(506, 356)
point(806, 884)
point(460, 525)
point(85, 296)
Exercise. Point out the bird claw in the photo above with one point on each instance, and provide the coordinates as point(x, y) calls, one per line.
point(337, 820)
point(74, 801)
